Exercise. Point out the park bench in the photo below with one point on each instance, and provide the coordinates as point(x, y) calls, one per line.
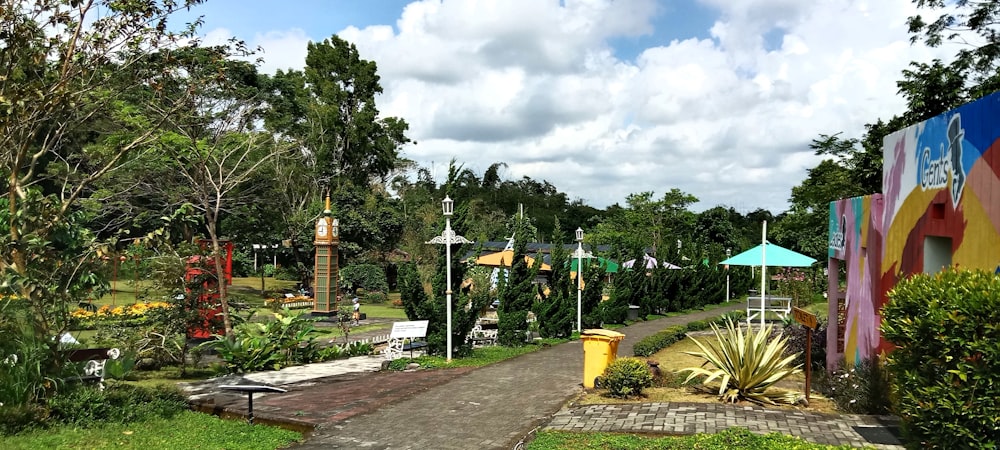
point(483, 334)
point(94, 360)
point(402, 338)
point(782, 306)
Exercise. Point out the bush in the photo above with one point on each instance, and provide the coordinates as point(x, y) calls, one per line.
point(123, 403)
point(947, 361)
point(369, 277)
point(797, 337)
point(697, 325)
point(376, 297)
point(286, 339)
point(626, 377)
point(861, 389)
point(659, 341)
point(17, 418)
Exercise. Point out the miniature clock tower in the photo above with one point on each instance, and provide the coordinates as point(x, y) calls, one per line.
point(325, 283)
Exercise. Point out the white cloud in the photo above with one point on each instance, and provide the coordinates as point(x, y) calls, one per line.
point(535, 84)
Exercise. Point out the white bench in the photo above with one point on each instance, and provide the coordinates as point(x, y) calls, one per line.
point(483, 336)
point(94, 360)
point(402, 337)
point(782, 306)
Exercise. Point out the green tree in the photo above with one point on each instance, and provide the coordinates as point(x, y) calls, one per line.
point(556, 312)
point(330, 110)
point(518, 293)
point(61, 67)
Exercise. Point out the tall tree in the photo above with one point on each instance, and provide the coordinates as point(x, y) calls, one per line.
point(330, 110)
point(61, 67)
point(556, 312)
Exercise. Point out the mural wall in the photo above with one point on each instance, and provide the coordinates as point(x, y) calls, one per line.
point(857, 298)
point(940, 206)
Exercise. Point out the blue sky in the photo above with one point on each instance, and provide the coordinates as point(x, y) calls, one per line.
point(675, 19)
point(604, 98)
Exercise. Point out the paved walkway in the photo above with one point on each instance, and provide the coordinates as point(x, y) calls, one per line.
point(690, 418)
point(493, 407)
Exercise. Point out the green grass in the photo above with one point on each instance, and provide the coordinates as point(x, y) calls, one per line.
point(480, 357)
point(185, 430)
point(733, 438)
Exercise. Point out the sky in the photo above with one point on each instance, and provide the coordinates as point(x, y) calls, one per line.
point(606, 98)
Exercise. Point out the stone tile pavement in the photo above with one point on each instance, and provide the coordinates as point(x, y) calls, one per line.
point(690, 418)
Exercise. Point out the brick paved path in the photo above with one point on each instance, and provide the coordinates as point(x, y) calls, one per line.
point(496, 406)
point(489, 408)
point(691, 418)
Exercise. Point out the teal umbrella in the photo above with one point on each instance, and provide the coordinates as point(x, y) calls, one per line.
point(776, 257)
point(608, 265)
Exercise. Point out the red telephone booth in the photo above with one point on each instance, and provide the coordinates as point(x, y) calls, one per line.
point(202, 269)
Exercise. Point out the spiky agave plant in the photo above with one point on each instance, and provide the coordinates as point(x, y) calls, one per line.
point(747, 364)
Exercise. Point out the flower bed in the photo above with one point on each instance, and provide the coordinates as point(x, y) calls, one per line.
point(135, 312)
point(296, 302)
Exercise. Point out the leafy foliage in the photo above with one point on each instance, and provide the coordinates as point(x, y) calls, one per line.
point(556, 312)
point(626, 377)
point(369, 277)
point(944, 369)
point(271, 345)
point(518, 293)
point(746, 363)
point(863, 388)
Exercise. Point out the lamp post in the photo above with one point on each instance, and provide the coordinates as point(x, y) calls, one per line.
point(447, 238)
point(579, 280)
point(729, 253)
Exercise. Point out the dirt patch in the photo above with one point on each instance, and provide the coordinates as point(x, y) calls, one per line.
point(672, 359)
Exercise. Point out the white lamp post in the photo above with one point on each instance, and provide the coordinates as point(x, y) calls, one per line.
point(449, 207)
point(729, 253)
point(579, 279)
point(447, 238)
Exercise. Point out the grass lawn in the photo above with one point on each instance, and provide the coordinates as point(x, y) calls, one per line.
point(733, 438)
point(185, 430)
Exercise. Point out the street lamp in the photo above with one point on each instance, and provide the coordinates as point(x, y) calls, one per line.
point(729, 253)
point(447, 238)
point(579, 279)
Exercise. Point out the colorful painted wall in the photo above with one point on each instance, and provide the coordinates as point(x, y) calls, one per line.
point(856, 297)
point(940, 206)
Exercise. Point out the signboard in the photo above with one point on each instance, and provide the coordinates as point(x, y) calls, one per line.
point(415, 329)
point(804, 317)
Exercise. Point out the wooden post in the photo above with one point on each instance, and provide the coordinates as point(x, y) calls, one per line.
point(808, 320)
point(809, 346)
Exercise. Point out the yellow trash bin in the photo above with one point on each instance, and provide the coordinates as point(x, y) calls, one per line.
point(600, 347)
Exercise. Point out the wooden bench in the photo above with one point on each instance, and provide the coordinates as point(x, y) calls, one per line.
point(94, 360)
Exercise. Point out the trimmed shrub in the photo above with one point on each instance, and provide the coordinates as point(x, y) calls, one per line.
point(626, 377)
point(947, 361)
point(697, 325)
point(659, 341)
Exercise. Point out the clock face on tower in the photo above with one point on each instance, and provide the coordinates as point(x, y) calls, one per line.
point(321, 228)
